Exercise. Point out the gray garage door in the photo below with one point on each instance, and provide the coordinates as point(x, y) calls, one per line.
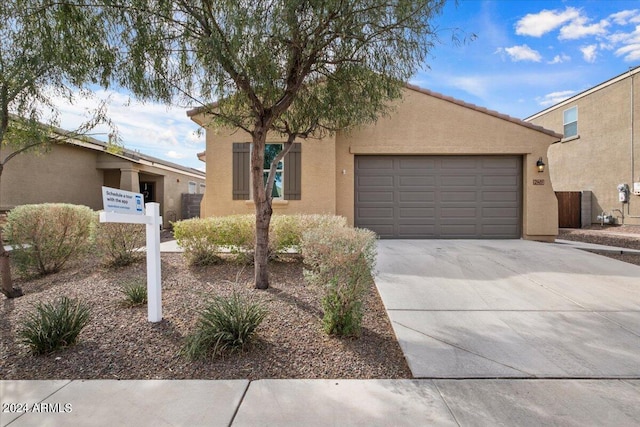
point(444, 197)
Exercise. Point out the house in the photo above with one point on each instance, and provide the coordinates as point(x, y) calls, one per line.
point(599, 151)
point(436, 167)
point(75, 170)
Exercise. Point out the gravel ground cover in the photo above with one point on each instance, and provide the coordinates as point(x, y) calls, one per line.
point(626, 236)
point(119, 342)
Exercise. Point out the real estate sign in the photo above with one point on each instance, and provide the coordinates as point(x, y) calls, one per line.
point(121, 201)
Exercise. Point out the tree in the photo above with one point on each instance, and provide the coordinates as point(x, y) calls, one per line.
point(45, 51)
point(295, 67)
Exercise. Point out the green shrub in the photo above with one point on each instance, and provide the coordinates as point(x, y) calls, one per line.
point(204, 239)
point(54, 325)
point(341, 260)
point(198, 239)
point(46, 236)
point(120, 243)
point(225, 324)
point(135, 293)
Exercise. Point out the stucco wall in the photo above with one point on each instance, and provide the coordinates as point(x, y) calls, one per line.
point(63, 174)
point(318, 177)
point(423, 124)
point(72, 174)
point(600, 158)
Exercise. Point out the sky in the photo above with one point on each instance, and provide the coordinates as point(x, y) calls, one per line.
point(516, 57)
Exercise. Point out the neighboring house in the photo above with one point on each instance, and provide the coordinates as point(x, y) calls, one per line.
point(600, 149)
point(436, 167)
point(75, 171)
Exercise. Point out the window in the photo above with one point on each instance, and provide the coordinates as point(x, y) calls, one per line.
point(193, 187)
point(287, 184)
point(271, 151)
point(203, 187)
point(570, 121)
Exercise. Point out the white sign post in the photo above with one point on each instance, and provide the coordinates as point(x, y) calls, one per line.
point(121, 206)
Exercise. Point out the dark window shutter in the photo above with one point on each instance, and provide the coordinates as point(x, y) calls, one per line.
point(241, 153)
point(293, 173)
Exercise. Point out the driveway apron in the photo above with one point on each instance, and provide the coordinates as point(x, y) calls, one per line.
point(510, 309)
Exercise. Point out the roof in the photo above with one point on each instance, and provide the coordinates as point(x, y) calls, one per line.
point(195, 111)
point(130, 155)
point(632, 71)
point(484, 110)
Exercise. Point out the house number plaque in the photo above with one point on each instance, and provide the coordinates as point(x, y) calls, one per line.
point(538, 182)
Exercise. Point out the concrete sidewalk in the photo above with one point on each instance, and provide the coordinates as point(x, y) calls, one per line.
point(321, 403)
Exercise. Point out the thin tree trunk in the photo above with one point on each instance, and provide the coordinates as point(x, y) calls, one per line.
point(5, 273)
point(5, 267)
point(262, 201)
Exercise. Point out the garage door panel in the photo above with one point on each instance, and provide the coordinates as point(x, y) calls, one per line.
point(416, 212)
point(455, 213)
point(500, 180)
point(416, 181)
point(416, 196)
point(458, 162)
point(372, 196)
point(459, 196)
point(439, 196)
point(499, 212)
point(411, 162)
point(500, 196)
point(375, 181)
point(458, 181)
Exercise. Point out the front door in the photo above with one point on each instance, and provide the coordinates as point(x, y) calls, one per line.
point(148, 191)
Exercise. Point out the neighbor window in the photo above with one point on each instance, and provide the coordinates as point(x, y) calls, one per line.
point(193, 187)
point(203, 187)
point(570, 121)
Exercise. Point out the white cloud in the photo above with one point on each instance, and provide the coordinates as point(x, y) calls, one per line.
point(626, 17)
point(538, 24)
point(630, 52)
point(589, 53)
point(522, 53)
point(175, 155)
point(559, 59)
point(578, 29)
point(554, 97)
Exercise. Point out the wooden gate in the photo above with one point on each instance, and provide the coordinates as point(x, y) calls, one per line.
point(569, 203)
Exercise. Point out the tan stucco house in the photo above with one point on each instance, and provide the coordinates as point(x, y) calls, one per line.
point(436, 167)
point(74, 171)
point(600, 148)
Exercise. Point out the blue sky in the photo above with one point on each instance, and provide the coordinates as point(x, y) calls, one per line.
point(527, 56)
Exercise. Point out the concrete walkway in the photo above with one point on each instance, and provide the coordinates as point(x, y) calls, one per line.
point(502, 333)
point(510, 309)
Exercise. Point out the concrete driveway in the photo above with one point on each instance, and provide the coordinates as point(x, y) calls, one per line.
point(510, 309)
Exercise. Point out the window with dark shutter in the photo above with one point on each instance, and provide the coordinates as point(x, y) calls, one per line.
point(293, 173)
point(241, 175)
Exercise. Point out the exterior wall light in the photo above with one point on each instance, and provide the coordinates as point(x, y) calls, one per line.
point(540, 164)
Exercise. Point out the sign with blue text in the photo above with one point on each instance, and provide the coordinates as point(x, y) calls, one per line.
point(121, 201)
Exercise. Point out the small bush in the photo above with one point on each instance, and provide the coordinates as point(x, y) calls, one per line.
point(135, 293)
point(225, 324)
point(341, 260)
point(54, 325)
point(204, 239)
point(120, 243)
point(46, 236)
